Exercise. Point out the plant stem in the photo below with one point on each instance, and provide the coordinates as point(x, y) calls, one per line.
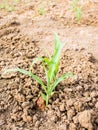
point(47, 98)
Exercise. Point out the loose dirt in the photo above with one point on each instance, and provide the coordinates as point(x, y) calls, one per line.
point(24, 35)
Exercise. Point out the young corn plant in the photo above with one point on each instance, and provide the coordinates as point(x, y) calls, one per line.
point(5, 5)
point(76, 9)
point(51, 67)
point(42, 11)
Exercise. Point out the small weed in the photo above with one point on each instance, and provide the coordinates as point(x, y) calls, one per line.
point(51, 67)
point(77, 9)
point(1, 6)
point(5, 5)
point(42, 11)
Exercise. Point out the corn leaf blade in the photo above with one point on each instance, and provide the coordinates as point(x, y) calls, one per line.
point(34, 61)
point(27, 73)
point(43, 96)
point(63, 77)
point(53, 67)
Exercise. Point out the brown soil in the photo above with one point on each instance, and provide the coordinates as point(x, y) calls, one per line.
point(24, 35)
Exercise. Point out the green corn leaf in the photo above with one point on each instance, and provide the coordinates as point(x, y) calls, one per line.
point(79, 13)
point(53, 66)
point(34, 61)
point(1, 6)
point(63, 77)
point(42, 11)
point(46, 61)
point(43, 96)
point(47, 76)
point(51, 72)
point(11, 8)
point(56, 41)
point(27, 73)
point(58, 48)
point(10, 70)
point(6, 6)
point(56, 70)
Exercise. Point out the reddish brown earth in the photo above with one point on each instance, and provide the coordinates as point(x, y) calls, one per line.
point(24, 35)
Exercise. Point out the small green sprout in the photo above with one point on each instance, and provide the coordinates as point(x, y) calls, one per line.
point(77, 9)
point(1, 6)
point(42, 11)
point(8, 7)
point(51, 67)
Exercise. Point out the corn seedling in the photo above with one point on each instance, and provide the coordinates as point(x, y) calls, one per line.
point(42, 11)
point(77, 9)
point(51, 67)
point(5, 5)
